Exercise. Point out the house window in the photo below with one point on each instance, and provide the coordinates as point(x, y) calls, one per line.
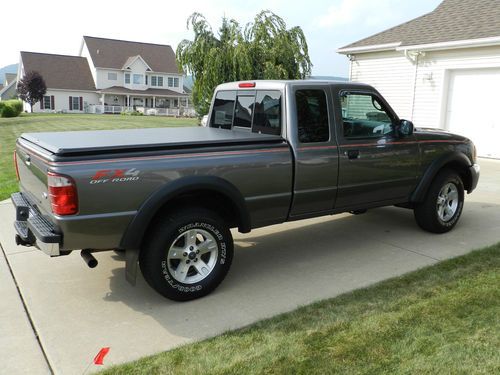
point(127, 78)
point(76, 103)
point(46, 102)
point(138, 78)
point(173, 82)
point(156, 81)
point(112, 76)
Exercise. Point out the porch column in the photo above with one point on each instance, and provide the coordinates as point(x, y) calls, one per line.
point(154, 101)
point(128, 102)
point(103, 98)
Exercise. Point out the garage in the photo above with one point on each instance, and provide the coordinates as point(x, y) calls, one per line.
point(473, 108)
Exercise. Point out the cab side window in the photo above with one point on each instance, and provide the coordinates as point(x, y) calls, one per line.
point(312, 116)
point(364, 116)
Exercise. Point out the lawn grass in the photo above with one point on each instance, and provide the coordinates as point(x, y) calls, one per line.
point(11, 128)
point(443, 319)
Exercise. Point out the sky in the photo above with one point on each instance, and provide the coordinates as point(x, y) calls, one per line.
point(58, 26)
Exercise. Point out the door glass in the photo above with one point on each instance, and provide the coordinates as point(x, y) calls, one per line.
point(364, 116)
point(312, 116)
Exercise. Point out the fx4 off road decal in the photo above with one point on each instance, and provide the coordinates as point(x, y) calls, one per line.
point(105, 176)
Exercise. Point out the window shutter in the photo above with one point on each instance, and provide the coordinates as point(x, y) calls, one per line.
point(81, 103)
point(52, 102)
point(41, 102)
point(70, 103)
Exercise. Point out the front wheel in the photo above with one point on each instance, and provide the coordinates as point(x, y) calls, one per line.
point(187, 254)
point(443, 204)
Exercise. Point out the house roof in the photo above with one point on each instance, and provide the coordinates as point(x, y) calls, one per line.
point(60, 71)
point(452, 20)
point(114, 54)
point(9, 77)
point(148, 92)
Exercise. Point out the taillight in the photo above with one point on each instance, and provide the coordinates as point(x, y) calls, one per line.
point(246, 85)
point(15, 165)
point(62, 192)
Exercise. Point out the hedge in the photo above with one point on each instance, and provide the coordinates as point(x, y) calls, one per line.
point(11, 108)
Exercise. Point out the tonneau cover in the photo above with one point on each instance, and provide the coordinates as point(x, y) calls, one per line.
point(75, 142)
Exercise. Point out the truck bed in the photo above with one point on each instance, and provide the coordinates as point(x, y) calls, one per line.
point(85, 142)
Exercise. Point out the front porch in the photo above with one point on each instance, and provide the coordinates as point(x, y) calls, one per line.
point(151, 105)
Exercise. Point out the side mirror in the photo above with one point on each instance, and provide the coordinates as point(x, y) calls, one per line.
point(404, 128)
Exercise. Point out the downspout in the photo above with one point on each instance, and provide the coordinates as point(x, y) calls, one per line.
point(413, 59)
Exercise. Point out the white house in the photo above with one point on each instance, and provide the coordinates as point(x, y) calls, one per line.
point(110, 76)
point(8, 89)
point(441, 70)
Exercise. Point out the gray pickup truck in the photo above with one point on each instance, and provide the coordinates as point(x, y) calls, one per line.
point(273, 151)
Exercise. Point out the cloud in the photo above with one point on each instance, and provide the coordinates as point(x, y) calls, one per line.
point(361, 12)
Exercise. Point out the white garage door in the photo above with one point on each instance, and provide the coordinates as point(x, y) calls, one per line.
point(474, 108)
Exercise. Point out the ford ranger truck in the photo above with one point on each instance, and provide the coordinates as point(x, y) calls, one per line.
point(272, 152)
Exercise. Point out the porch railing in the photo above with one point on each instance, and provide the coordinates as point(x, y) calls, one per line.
point(116, 109)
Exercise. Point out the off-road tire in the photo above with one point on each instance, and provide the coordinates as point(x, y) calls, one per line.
point(153, 257)
point(426, 213)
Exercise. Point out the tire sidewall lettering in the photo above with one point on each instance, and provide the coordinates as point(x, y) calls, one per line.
point(187, 288)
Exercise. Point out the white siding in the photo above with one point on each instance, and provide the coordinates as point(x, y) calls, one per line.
point(432, 94)
point(102, 81)
point(61, 100)
point(402, 82)
point(392, 74)
point(84, 52)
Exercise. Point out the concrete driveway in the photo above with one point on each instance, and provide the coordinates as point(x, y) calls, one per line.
point(74, 311)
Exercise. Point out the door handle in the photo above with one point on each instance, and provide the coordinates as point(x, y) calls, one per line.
point(352, 154)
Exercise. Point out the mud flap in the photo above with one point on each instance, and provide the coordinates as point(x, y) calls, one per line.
point(131, 258)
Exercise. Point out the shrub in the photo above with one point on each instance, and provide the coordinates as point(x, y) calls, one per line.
point(17, 104)
point(9, 111)
point(11, 108)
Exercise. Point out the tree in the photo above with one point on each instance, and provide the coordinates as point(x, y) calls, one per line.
point(31, 88)
point(264, 49)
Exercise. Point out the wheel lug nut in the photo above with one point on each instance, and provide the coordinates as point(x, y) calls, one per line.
point(196, 259)
point(188, 261)
point(197, 251)
point(185, 254)
point(191, 248)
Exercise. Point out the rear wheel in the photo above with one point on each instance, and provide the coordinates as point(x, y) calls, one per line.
point(187, 254)
point(443, 204)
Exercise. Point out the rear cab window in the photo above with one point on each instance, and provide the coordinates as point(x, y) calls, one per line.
point(259, 111)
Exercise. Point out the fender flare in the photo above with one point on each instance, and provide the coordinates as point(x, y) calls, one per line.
point(137, 228)
point(454, 157)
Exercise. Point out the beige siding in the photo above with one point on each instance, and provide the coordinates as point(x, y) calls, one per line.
point(392, 74)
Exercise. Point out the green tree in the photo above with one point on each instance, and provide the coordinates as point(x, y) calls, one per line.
point(264, 49)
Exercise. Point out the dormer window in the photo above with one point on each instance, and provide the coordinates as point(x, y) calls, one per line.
point(127, 78)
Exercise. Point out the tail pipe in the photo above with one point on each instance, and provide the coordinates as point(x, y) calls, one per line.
point(88, 258)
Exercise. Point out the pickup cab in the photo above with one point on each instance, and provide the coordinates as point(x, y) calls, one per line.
point(272, 151)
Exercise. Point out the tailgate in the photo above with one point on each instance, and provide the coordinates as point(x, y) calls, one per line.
point(33, 174)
